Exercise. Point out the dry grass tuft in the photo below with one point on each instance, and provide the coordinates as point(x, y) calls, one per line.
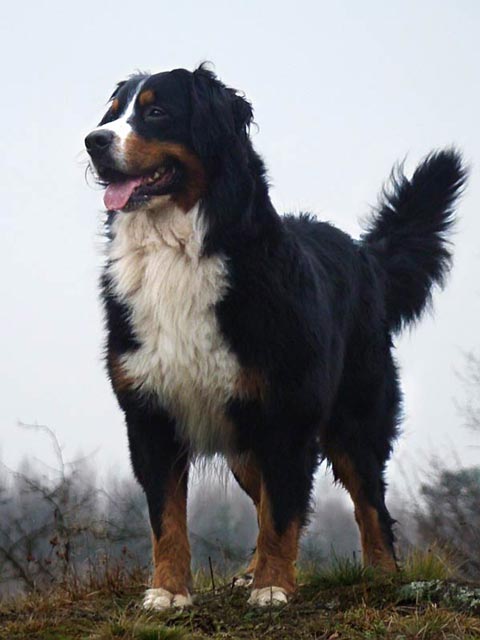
point(434, 563)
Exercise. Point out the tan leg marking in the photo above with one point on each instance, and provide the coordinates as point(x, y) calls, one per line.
point(248, 477)
point(273, 563)
point(171, 551)
point(375, 550)
point(252, 565)
point(276, 553)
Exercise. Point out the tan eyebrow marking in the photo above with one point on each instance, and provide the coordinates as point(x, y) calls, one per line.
point(146, 97)
point(115, 104)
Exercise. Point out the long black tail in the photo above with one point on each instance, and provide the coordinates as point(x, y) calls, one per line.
point(408, 233)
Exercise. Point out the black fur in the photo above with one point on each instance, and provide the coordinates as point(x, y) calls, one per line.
point(408, 234)
point(307, 306)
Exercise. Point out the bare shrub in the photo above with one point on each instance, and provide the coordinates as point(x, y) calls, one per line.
point(58, 527)
point(449, 514)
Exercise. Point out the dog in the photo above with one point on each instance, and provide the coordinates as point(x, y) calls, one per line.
point(234, 330)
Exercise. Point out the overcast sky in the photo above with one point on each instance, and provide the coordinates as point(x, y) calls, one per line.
point(341, 90)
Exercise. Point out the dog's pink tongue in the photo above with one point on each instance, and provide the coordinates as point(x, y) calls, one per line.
point(117, 194)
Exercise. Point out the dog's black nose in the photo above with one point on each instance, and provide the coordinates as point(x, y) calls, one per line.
point(98, 141)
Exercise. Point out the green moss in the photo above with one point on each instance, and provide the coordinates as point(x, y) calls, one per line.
point(461, 597)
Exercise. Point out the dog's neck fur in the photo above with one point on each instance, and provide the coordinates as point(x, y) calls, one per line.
point(153, 228)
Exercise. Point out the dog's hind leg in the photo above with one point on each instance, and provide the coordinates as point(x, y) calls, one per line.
point(363, 479)
point(287, 472)
point(246, 472)
point(358, 441)
point(276, 555)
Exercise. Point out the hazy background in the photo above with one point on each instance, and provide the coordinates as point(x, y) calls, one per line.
point(340, 90)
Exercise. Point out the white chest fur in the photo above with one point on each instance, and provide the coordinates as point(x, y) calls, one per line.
point(171, 291)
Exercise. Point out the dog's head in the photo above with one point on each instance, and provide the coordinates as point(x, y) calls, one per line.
point(169, 136)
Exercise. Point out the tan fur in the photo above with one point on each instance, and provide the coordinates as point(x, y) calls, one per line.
point(146, 97)
point(114, 106)
point(171, 290)
point(171, 551)
point(375, 550)
point(249, 478)
point(273, 563)
point(120, 380)
point(252, 565)
point(143, 156)
point(276, 553)
point(250, 385)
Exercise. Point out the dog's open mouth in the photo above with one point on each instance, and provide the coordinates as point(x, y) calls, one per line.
point(128, 192)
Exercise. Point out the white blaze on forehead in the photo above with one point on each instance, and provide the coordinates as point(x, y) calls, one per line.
point(121, 127)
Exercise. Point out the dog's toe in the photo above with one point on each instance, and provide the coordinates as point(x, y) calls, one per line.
point(268, 597)
point(161, 599)
point(180, 602)
point(244, 580)
point(158, 599)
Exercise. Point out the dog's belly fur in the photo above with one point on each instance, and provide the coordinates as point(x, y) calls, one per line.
point(171, 292)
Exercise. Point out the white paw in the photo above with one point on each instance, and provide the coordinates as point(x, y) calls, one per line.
point(161, 599)
point(245, 580)
point(268, 596)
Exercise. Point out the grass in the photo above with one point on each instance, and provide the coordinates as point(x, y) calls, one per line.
point(435, 563)
point(341, 602)
point(141, 632)
point(342, 572)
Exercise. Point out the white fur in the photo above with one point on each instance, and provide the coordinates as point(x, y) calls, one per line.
point(161, 599)
point(268, 597)
point(157, 270)
point(122, 128)
point(243, 581)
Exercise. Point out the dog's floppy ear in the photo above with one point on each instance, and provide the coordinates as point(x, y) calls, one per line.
point(219, 114)
point(117, 89)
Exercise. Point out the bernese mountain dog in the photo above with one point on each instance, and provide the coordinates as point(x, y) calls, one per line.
point(238, 331)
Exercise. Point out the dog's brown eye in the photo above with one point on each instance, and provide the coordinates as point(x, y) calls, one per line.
point(155, 113)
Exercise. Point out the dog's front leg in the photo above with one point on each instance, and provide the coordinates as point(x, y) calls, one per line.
point(161, 467)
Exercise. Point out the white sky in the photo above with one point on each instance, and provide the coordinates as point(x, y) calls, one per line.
point(341, 90)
